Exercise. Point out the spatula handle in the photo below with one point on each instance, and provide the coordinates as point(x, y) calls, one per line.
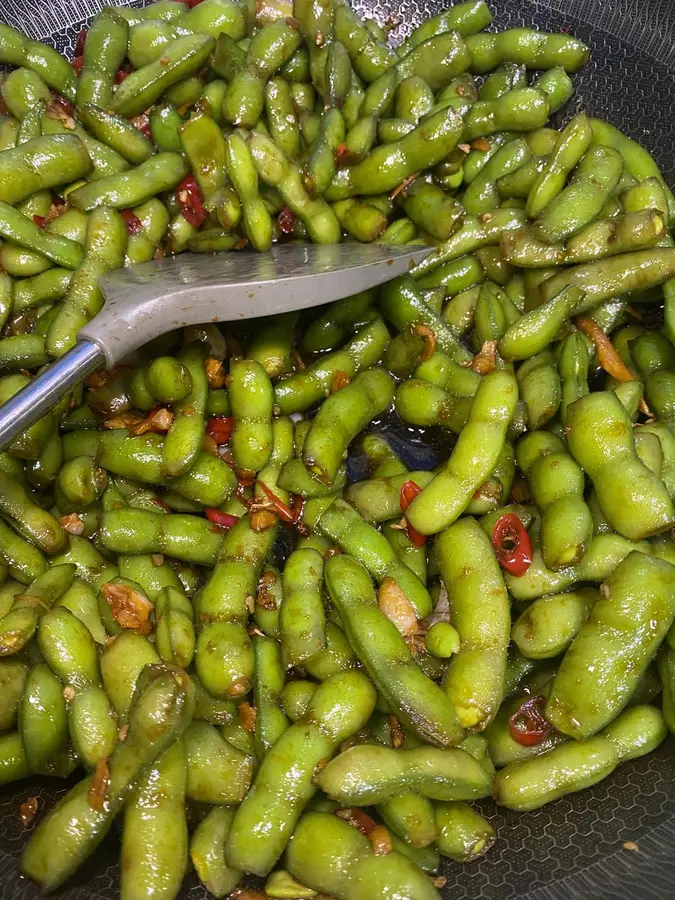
point(37, 398)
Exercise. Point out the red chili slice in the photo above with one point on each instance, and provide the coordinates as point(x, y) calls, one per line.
point(224, 520)
point(120, 75)
point(191, 201)
point(81, 41)
point(65, 105)
point(409, 490)
point(284, 512)
point(512, 545)
point(527, 725)
point(220, 428)
point(131, 220)
point(77, 63)
point(286, 220)
point(40, 221)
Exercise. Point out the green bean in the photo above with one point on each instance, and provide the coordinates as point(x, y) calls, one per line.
point(523, 109)
point(576, 765)
point(418, 702)
point(284, 783)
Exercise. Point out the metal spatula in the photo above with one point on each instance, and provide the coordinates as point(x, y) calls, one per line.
point(143, 302)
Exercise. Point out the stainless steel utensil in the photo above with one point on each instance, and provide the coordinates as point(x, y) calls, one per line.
point(143, 302)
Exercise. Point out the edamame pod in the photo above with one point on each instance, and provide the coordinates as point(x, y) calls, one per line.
point(368, 774)
point(473, 458)
point(284, 784)
point(599, 435)
point(479, 610)
point(344, 526)
point(161, 709)
point(419, 703)
point(600, 670)
point(224, 656)
point(576, 765)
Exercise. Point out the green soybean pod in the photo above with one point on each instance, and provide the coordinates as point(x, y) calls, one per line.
point(268, 685)
point(251, 398)
point(174, 629)
point(207, 852)
point(601, 669)
point(600, 437)
point(122, 662)
point(473, 458)
point(43, 722)
point(341, 417)
point(575, 765)
point(550, 624)
point(464, 834)
point(593, 181)
point(479, 609)
point(104, 52)
point(154, 833)
point(419, 703)
point(284, 784)
point(411, 816)
point(224, 656)
point(345, 526)
point(573, 141)
point(13, 675)
point(186, 435)
point(539, 384)
point(302, 619)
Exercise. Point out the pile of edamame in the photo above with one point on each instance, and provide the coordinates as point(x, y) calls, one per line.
point(264, 665)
